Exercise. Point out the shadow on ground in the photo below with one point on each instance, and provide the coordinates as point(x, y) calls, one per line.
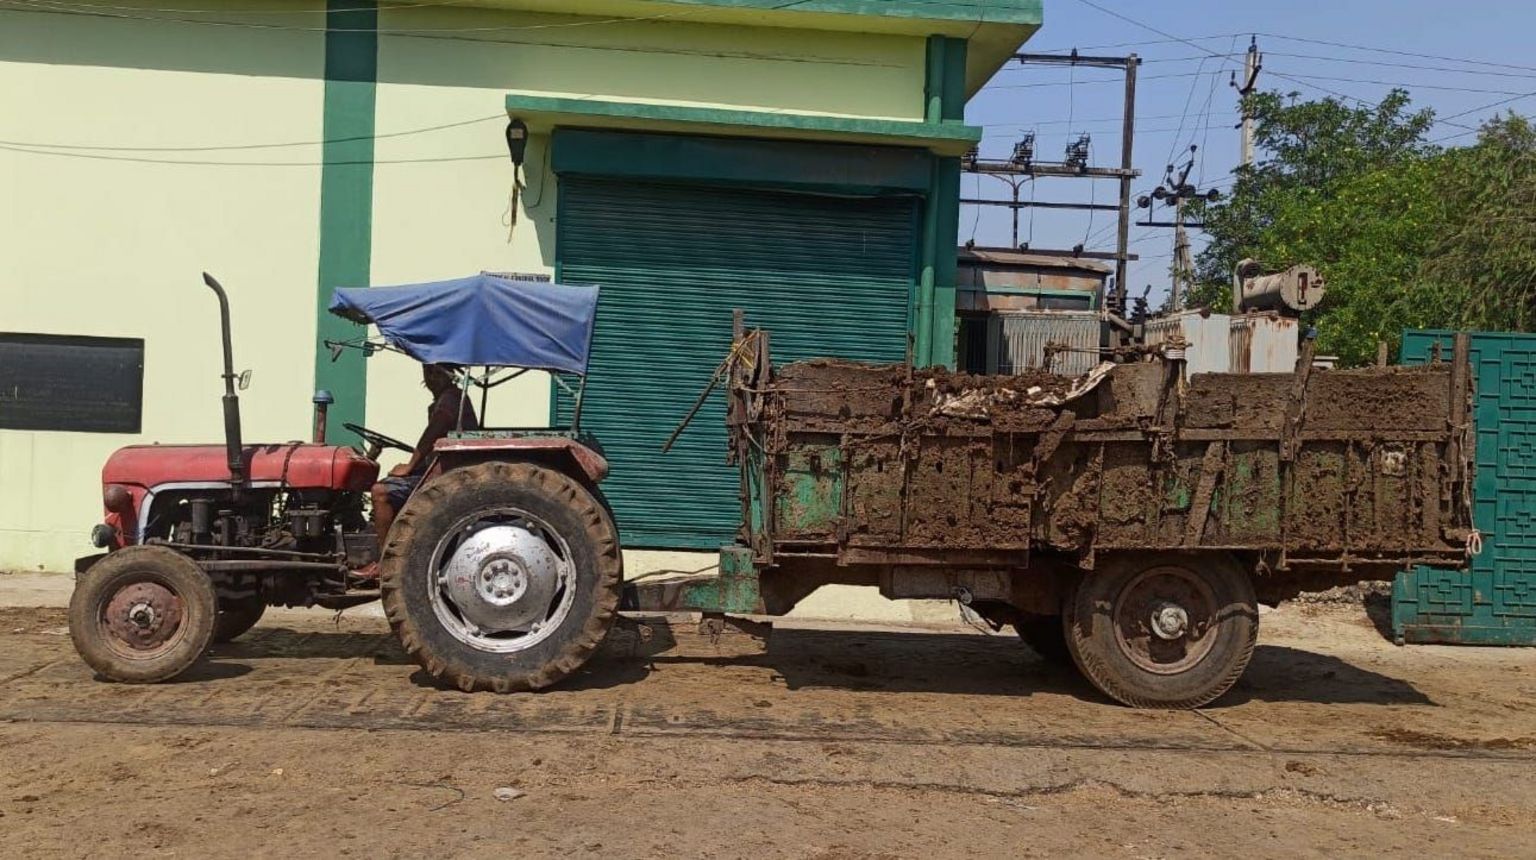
point(884, 661)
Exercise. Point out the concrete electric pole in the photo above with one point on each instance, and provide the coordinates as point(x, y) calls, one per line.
point(1252, 62)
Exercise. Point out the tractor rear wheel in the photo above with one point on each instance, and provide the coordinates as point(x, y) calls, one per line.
point(142, 614)
point(237, 616)
point(1166, 630)
point(502, 576)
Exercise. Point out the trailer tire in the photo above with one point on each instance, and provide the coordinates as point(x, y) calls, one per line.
point(143, 614)
point(466, 576)
point(1173, 630)
point(1046, 636)
point(237, 616)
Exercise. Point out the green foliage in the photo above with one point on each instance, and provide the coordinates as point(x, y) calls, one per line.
point(1406, 235)
point(1481, 270)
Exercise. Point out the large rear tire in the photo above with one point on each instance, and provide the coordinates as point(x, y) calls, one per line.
point(237, 616)
point(142, 614)
point(1166, 630)
point(502, 576)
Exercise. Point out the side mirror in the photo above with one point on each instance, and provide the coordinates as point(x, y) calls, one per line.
point(245, 380)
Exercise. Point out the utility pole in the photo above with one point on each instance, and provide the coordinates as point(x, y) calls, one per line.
point(1183, 266)
point(1177, 191)
point(1022, 166)
point(1252, 62)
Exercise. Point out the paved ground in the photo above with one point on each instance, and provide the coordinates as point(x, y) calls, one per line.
point(315, 737)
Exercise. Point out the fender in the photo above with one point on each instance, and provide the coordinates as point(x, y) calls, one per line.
point(591, 464)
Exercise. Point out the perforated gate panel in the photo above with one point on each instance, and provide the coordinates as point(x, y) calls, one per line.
point(825, 275)
point(1494, 602)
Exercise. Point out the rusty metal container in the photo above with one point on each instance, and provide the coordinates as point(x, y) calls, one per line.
point(1017, 341)
point(1264, 343)
point(1207, 338)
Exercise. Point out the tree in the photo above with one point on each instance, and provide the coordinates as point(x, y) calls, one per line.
point(1407, 235)
point(1480, 272)
point(1310, 148)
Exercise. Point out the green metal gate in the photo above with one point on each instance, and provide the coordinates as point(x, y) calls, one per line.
point(1493, 603)
point(827, 275)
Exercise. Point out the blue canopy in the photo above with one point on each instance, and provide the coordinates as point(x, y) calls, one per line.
point(482, 319)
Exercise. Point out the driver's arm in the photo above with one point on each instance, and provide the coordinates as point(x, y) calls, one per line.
point(439, 422)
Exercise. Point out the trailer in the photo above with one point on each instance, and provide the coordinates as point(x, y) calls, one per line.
point(1129, 520)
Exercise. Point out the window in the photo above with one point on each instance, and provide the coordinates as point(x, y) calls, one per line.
point(64, 382)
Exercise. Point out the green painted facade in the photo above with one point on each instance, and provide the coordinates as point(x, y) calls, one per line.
point(346, 199)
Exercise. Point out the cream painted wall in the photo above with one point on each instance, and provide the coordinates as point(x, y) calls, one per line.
point(96, 246)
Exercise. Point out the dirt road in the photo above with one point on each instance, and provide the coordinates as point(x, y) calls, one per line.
point(312, 738)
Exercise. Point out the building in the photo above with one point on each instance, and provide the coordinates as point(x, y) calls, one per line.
point(1011, 304)
point(799, 160)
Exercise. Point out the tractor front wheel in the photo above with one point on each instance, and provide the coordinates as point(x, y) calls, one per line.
point(501, 576)
point(142, 614)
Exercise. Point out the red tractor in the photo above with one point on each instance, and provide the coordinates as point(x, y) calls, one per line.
point(502, 571)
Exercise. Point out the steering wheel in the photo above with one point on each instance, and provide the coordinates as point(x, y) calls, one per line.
point(377, 441)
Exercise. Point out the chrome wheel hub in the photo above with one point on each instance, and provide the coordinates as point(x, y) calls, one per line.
point(1170, 621)
point(503, 580)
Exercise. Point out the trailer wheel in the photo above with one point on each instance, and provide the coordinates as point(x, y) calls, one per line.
point(1174, 630)
point(1046, 636)
point(237, 616)
point(142, 614)
point(501, 576)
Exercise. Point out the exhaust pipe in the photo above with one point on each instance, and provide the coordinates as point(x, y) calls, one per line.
point(232, 446)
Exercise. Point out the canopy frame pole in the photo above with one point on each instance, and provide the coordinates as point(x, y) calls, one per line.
point(463, 398)
point(576, 407)
point(485, 397)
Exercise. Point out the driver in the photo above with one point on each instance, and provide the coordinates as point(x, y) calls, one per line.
point(449, 410)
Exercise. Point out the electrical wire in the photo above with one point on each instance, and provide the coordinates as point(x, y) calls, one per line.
point(1408, 85)
point(1100, 120)
point(1188, 100)
point(249, 146)
point(1394, 52)
point(95, 11)
point(93, 156)
point(1389, 64)
point(1192, 40)
point(1139, 79)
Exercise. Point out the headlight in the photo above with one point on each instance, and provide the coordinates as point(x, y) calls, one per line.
point(103, 536)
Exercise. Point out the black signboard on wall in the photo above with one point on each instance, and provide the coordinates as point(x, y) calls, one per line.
point(66, 382)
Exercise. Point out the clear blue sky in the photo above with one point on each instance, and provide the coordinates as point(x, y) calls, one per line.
point(1452, 57)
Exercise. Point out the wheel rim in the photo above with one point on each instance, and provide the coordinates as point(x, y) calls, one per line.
point(502, 580)
point(1165, 619)
point(143, 619)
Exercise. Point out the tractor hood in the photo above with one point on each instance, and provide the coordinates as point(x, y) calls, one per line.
point(293, 464)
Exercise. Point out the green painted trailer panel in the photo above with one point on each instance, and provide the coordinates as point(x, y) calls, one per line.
point(826, 274)
point(1494, 601)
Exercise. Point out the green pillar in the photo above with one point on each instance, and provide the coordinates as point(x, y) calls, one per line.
point(934, 309)
point(346, 196)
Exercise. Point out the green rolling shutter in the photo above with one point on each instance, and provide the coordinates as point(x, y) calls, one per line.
point(827, 275)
